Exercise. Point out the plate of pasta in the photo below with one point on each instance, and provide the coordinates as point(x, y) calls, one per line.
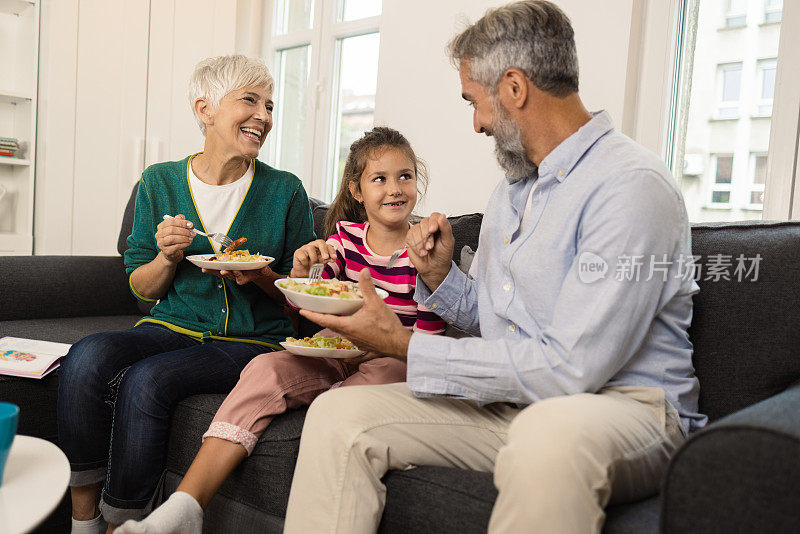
point(319, 346)
point(237, 260)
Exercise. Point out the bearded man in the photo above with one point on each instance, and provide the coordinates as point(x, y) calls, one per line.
point(578, 384)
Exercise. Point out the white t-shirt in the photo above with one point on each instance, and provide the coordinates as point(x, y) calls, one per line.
point(218, 204)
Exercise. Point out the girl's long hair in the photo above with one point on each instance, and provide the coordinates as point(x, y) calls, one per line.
point(371, 145)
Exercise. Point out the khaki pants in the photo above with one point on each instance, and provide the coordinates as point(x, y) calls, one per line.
point(557, 463)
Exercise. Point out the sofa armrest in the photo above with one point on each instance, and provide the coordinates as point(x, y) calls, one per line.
point(44, 287)
point(740, 474)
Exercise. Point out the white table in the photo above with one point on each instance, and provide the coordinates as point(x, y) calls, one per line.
point(35, 479)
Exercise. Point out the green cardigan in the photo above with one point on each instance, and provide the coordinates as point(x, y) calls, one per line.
point(275, 217)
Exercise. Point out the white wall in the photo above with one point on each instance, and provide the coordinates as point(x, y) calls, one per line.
point(419, 91)
point(85, 170)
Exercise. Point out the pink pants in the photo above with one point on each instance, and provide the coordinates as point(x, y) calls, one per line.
point(275, 381)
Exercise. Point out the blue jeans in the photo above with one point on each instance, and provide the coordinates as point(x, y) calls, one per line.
point(116, 393)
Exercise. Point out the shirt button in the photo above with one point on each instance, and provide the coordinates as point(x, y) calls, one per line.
point(449, 322)
point(434, 306)
point(560, 172)
point(223, 310)
point(219, 285)
point(507, 287)
point(506, 241)
point(512, 327)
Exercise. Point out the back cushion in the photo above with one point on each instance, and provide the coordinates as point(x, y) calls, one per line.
point(746, 333)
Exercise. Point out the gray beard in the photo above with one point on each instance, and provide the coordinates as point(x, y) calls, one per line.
point(508, 148)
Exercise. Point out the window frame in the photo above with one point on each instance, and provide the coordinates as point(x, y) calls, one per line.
point(324, 38)
point(721, 104)
point(720, 186)
point(761, 66)
point(768, 10)
point(752, 186)
point(728, 15)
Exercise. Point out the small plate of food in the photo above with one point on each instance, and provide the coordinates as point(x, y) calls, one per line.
point(332, 296)
point(231, 260)
point(319, 346)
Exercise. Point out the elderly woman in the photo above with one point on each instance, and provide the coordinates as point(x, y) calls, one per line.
point(117, 390)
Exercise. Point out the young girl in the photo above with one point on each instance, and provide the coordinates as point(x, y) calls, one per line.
point(377, 194)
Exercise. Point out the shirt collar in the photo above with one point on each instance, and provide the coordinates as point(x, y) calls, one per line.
point(560, 161)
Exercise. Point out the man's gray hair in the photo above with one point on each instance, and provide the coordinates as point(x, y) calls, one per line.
point(534, 36)
point(215, 77)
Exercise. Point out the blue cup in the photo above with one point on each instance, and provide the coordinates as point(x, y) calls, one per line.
point(9, 414)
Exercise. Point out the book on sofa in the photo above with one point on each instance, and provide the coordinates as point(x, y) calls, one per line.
point(30, 358)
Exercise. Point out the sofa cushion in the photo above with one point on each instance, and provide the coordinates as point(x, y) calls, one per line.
point(745, 333)
point(36, 287)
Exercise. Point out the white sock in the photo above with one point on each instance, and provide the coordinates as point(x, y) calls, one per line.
point(180, 514)
point(97, 525)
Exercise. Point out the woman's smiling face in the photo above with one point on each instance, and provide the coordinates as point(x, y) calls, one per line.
point(388, 188)
point(242, 121)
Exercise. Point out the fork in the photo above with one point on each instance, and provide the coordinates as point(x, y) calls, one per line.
point(315, 273)
point(223, 240)
point(396, 253)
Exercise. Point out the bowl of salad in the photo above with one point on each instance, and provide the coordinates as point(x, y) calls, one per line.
point(333, 296)
point(319, 346)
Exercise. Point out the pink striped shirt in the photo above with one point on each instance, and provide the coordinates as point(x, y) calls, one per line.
point(353, 254)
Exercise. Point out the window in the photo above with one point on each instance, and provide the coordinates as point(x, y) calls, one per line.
point(773, 10)
point(736, 13)
point(758, 178)
point(722, 179)
point(325, 61)
point(730, 84)
point(766, 86)
point(724, 76)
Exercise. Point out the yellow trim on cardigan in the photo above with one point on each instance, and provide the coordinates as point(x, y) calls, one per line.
point(136, 293)
point(199, 336)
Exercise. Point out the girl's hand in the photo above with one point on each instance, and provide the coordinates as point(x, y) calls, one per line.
point(315, 252)
point(172, 236)
point(433, 256)
point(243, 277)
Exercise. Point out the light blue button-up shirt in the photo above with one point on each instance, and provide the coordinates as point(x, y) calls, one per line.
point(595, 291)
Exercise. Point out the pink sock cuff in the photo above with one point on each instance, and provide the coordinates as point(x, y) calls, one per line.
point(233, 433)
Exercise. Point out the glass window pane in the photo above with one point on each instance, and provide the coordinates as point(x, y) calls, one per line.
point(721, 197)
point(760, 175)
point(768, 83)
point(359, 9)
point(354, 102)
point(724, 169)
point(731, 83)
point(728, 76)
point(756, 197)
point(293, 15)
point(290, 112)
point(735, 22)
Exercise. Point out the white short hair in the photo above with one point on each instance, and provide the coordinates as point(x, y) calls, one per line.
point(215, 77)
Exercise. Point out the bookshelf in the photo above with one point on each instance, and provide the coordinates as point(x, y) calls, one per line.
point(19, 39)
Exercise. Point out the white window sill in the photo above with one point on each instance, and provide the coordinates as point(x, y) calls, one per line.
point(769, 23)
point(729, 28)
point(757, 116)
point(723, 119)
point(718, 207)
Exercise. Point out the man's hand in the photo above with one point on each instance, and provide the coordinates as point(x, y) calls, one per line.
point(374, 327)
point(433, 257)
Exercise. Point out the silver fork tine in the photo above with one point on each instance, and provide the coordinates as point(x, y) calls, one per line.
point(315, 273)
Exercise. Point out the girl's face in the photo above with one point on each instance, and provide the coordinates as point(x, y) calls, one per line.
point(388, 188)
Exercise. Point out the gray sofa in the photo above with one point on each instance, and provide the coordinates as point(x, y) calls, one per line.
point(741, 474)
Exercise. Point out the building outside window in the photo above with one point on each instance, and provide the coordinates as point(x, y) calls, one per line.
point(736, 13)
point(324, 55)
point(724, 106)
point(773, 10)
